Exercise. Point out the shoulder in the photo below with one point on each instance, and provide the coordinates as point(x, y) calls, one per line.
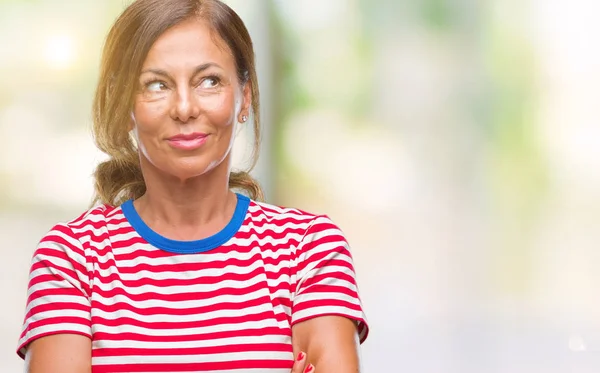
point(309, 223)
point(261, 211)
point(90, 223)
point(66, 248)
point(95, 218)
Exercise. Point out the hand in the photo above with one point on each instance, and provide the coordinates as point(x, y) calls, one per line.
point(301, 366)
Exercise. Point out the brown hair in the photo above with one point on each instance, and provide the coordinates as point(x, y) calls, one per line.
point(129, 40)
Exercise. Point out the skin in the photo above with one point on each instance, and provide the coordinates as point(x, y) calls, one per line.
point(189, 84)
point(331, 343)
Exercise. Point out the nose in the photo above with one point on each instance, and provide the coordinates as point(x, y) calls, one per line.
point(185, 106)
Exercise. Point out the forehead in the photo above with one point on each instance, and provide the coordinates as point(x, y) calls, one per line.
point(189, 44)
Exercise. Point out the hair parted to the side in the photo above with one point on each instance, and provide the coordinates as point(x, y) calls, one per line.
point(127, 44)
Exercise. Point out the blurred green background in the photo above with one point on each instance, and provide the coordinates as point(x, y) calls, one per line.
point(454, 141)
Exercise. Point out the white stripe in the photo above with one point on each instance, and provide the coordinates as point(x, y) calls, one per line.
point(175, 273)
point(96, 216)
point(330, 269)
point(190, 259)
point(69, 282)
point(178, 305)
point(57, 299)
point(61, 313)
point(116, 212)
point(326, 310)
point(118, 238)
point(163, 318)
point(59, 265)
point(324, 248)
point(179, 289)
point(253, 240)
point(59, 246)
point(277, 210)
point(324, 297)
point(264, 241)
point(204, 358)
point(210, 329)
point(272, 228)
point(267, 338)
point(62, 328)
point(86, 227)
point(139, 249)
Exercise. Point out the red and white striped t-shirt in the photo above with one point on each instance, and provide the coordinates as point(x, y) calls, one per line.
point(224, 303)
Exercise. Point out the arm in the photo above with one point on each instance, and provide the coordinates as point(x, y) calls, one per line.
point(59, 353)
point(56, 336)
point(331, 343)
point(328, 321)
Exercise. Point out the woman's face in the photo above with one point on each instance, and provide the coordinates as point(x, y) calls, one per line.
point(188, 103)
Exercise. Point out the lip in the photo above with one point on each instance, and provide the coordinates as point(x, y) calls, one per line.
point(188, 142)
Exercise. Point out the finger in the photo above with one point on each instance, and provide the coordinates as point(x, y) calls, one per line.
point(299, 363)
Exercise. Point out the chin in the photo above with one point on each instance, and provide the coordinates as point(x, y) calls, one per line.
point(189, 169)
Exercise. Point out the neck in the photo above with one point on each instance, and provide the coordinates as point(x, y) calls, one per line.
point(186, 209)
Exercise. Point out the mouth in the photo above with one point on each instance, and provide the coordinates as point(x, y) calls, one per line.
point(188, 142)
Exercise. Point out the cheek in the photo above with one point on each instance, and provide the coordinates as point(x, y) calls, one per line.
point(148, 119)
point(219, 109)
point(149, 115)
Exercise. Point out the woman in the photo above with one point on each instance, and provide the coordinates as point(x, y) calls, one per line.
point(173, 271)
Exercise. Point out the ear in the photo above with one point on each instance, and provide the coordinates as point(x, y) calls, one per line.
point(246, 102)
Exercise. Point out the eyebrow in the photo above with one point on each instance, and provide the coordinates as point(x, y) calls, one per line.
point(197, 70)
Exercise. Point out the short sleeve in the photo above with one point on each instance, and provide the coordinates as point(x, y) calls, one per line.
point(326, 279)
point(58, 291)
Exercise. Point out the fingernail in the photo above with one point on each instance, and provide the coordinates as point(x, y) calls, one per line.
point(300, 356)
point(309, 368)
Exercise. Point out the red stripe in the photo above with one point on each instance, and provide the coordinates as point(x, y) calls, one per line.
point(328, 277)
point(324, 288)
point(89, 235)
point(60, 320)
point(308, 304)
point(56, 272)
point(265, 209)
point(263, 226)
point(195, 367)
point(270, 233)
point(177, 337)
point(56, 278)
point(103, 223)
point(46, 254)
point(124, 243)
point(318, 239)
point(52, 292)
point(265, 246)
point(57, 306)
point(250, 277)
point(192, 266)
point(253, 222)
point(172, 311)
point(179, 325)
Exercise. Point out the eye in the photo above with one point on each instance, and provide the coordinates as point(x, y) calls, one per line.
point(210, 82)
point(156, 86)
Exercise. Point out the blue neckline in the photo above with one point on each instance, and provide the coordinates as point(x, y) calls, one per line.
point(188, 247)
